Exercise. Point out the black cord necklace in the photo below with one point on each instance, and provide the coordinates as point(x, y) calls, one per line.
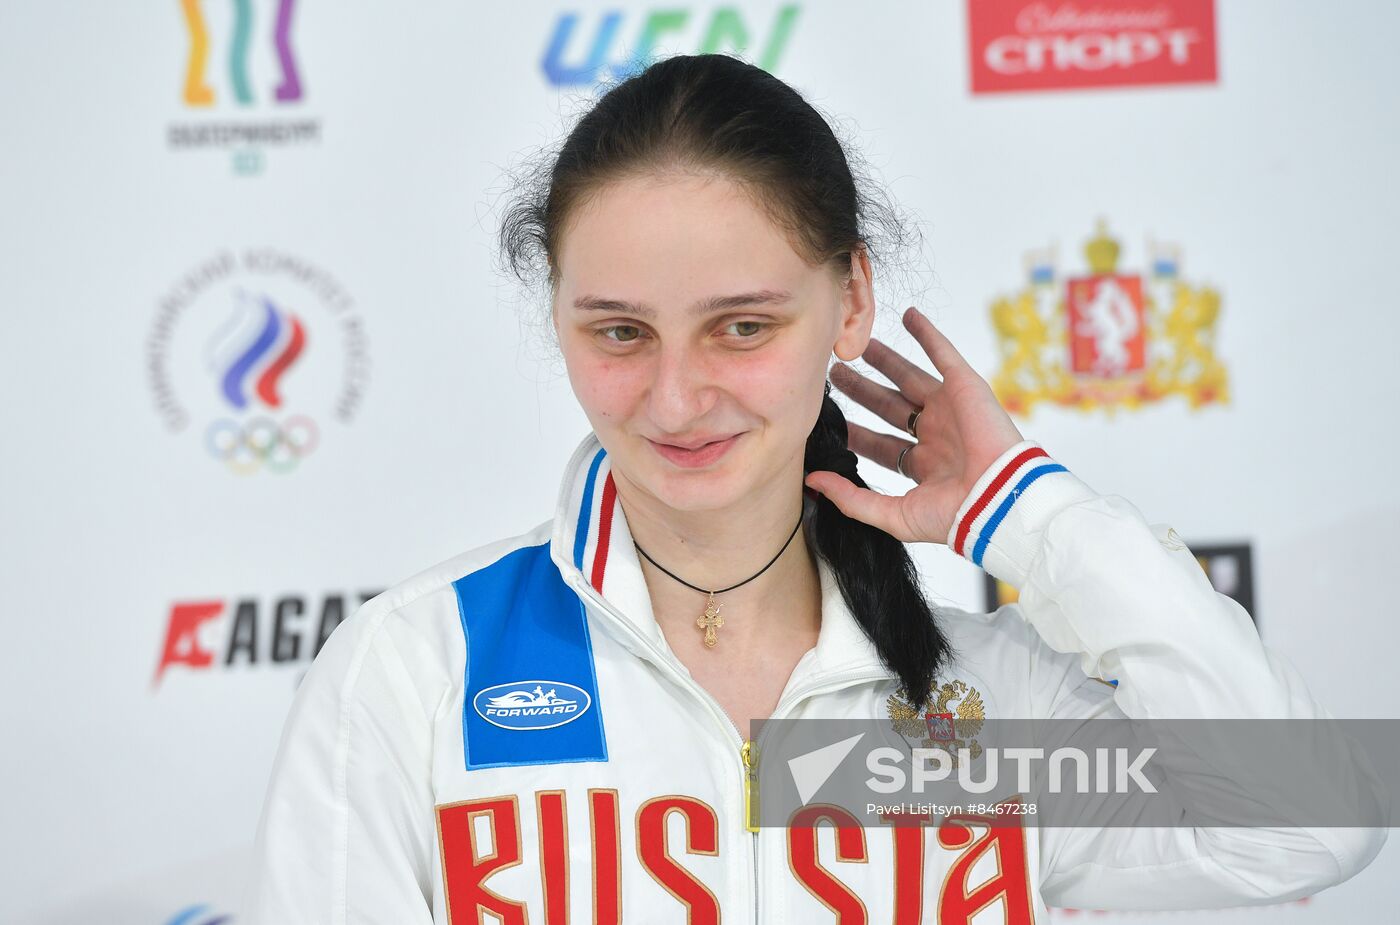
point(710, 620)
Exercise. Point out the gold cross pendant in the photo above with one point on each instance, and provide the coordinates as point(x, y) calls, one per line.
point(710, 620)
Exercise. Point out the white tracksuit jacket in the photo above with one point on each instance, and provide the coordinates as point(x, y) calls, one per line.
point(602, 784)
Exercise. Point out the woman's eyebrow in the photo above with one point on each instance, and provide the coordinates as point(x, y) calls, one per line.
point(703, 307)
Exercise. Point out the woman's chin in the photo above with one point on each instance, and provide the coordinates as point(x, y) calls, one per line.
point(717, 487)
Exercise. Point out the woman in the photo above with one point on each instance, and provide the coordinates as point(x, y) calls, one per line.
point(555, 727)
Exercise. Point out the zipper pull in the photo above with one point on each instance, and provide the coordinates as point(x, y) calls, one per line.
point(747, 753)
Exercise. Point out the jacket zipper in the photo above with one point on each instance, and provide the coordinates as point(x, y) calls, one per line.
point(748, 758)
point(746, 753)
point(750, 771)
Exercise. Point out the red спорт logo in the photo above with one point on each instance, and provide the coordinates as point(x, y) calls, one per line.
point(1049, 45)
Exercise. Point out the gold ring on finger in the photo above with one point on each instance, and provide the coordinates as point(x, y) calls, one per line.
point(913, 426)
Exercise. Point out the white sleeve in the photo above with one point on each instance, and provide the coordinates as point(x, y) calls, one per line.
point(1126, 601)
point(346, 833)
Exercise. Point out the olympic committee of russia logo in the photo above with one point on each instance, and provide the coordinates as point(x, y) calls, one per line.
point(254, 353)
point(1107, 338)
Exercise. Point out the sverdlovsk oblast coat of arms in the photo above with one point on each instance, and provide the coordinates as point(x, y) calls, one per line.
point(1108, 338)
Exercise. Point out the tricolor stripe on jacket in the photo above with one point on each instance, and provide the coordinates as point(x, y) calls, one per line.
point(985, 509)
point(593, 537)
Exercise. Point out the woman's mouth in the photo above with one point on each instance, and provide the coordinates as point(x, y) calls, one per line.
point(697, 457)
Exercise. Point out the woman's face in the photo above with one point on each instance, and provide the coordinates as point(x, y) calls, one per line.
point(696, 339)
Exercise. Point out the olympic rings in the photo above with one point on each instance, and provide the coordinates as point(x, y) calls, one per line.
point(261, 441)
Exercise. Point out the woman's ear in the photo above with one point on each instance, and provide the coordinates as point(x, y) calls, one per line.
point(857, 308)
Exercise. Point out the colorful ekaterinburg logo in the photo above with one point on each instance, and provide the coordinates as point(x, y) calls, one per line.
point(611, 45)
point(199, 92)
point(535, 704)
point(248, 64)
point(1109, 337)
point(253, 350)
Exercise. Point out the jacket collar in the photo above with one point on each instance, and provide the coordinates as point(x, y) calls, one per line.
point(592, 546)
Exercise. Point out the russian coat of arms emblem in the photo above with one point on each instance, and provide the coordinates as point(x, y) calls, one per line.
point(953, 717)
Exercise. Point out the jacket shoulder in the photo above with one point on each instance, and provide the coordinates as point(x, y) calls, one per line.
point(423, 605)
point(402, 594)
point(1003, 630)
point(1002, 647)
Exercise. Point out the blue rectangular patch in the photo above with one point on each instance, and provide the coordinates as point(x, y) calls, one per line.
point(531, 690)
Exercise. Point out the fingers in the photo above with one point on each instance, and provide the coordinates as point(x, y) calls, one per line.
point(879, 448)
point(914, 382)
point(878, 510)
point(915, 386)
point(890, 405)
point(940, 350)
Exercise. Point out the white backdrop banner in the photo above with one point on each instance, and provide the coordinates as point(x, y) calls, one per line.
point(259, 365)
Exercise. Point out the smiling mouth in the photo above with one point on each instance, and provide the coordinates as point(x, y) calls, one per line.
point(695, 457)
point(717, 440)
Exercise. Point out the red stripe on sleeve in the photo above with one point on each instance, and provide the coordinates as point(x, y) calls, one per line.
point(1006, 472)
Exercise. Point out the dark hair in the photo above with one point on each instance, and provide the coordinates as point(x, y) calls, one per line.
point(715, 112)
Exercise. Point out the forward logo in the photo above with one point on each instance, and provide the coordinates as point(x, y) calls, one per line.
point(533, 704)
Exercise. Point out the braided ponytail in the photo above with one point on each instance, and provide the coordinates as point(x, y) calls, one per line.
point(876, 575)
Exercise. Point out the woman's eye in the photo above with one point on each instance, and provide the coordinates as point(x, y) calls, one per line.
point(746, 328)
point(622, 333)
point(626, 333)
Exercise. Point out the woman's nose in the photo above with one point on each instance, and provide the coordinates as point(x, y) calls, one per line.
point(681, 392)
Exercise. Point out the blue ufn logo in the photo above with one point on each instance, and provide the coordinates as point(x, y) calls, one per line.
point(534, 704)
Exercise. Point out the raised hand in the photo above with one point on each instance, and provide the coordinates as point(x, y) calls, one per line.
point(959, 431)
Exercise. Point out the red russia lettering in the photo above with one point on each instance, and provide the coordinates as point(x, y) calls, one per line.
point(467, 863)
point(820, 882)
point(480, 838)
point(1004, 838)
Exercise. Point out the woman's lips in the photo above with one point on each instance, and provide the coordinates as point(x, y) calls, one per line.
point(697, 458)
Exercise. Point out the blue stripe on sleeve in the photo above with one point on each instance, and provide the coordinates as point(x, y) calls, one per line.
point(1000, 513)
